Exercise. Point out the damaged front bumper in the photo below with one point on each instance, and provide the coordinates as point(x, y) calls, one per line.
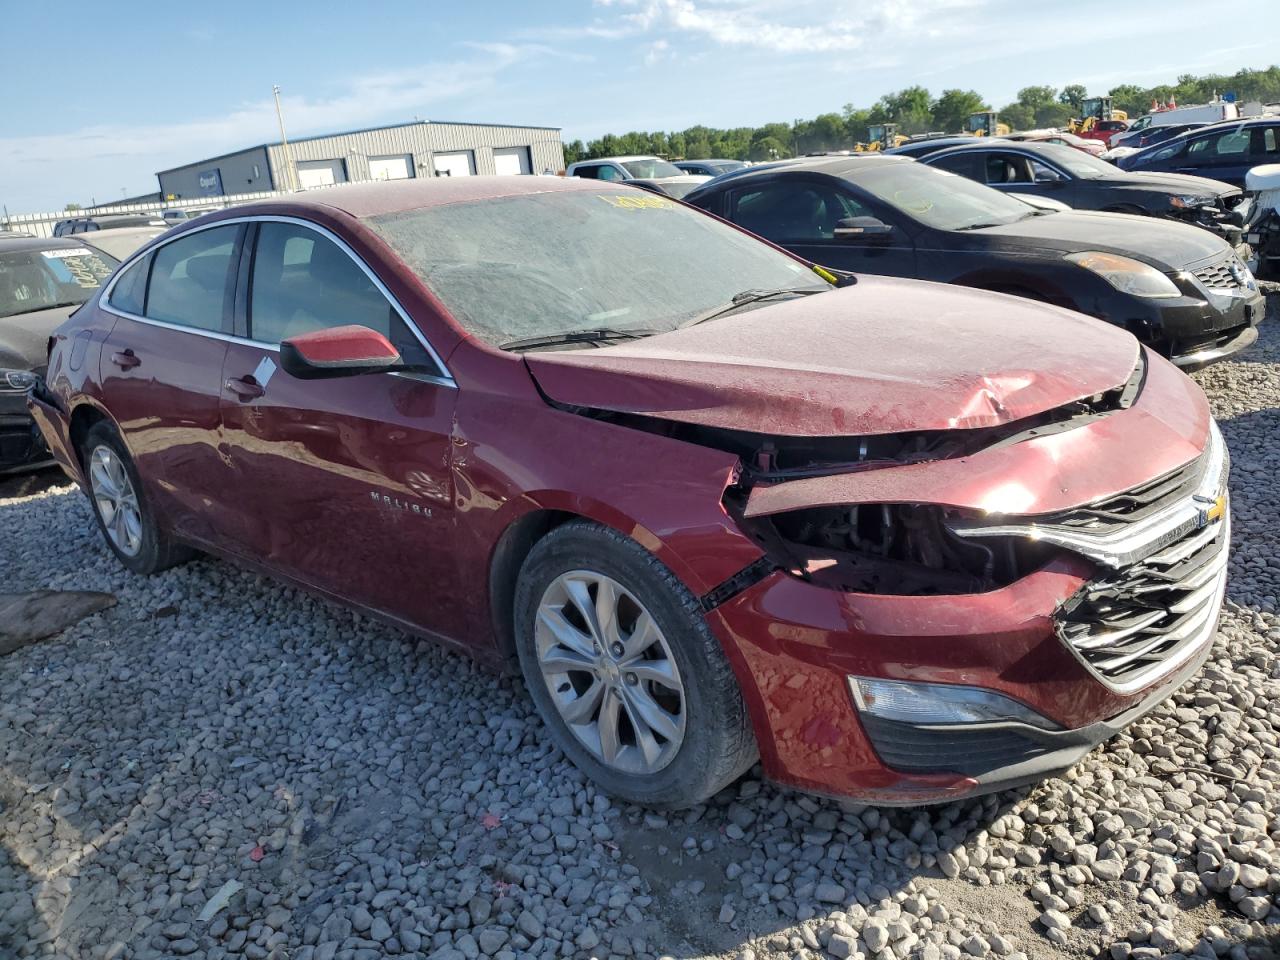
point(1065, 656)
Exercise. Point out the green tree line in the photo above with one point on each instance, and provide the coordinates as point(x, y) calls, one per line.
point(916, 110)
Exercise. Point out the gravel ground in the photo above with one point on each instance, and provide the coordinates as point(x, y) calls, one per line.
point(377, 796)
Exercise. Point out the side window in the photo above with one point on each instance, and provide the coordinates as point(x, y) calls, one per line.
point(1043, 173)
point(965, 164)
point(1230, 144)
point(793, 212)
point(1005, 169)
point(588, 173)
point(190, 279)
point(130, 292)
point(608, 172)
point(303, 281)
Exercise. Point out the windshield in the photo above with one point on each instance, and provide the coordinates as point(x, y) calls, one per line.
point(33, 280)
point(1078, 162)
point(652, 167)
point(938, 198)
point(551, 263)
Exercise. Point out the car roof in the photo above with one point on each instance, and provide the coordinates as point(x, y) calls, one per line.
point(10, 242)
point(374, 198)
point(831, 166)
point(626, 159)
point(1034, 147)
point(935, 141)
point(709, 160)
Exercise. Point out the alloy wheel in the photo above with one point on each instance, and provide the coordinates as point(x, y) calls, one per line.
point(610, 672)
point(116, 500)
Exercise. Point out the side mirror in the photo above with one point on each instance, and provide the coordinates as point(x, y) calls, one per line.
point(862, 228)
point(338, 352)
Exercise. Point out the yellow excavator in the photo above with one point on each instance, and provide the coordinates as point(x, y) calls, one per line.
point(986, 124)
point(1094, 112)
point(882, 137)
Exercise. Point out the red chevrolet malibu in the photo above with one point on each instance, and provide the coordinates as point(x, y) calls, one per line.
point(899, 541)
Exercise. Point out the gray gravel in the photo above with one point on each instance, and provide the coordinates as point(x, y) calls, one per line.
point(376, 796)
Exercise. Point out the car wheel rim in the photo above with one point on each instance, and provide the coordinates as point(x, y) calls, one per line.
point(116, 500)
point(610, 672)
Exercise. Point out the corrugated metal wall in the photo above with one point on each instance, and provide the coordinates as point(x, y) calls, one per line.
point(422, 141)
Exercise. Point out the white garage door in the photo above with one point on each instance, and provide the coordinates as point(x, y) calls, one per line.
point(399, 167)
point(511, 160)
point(319, 173)
point(460, 164)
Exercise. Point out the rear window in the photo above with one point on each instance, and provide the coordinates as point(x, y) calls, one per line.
point(32, 280)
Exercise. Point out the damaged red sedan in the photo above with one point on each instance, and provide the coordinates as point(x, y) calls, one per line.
point(899, 541)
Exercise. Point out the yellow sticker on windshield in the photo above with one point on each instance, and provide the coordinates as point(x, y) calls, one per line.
point(637, 202)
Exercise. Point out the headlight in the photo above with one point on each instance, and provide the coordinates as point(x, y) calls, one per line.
point(1191, 202)
point(1126, 275)
point(16, 381)
point(938, 704)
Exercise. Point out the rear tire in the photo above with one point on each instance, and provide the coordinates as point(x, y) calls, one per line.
point(127, 522)
point(624, 670)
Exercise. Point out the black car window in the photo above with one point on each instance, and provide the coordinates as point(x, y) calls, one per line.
point(967, 164)
point(794, 212)
point(130, 291)
point(39, 279)
point(1005, 168)
point(1043, 173)
point(190, 279)
point(588, 173)
point(1230, 143)
point(302, 281)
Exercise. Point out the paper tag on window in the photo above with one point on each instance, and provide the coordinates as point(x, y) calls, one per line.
point(263, 372)
point(64, 252)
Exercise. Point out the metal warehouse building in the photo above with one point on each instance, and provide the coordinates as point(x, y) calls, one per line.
point(419, 149)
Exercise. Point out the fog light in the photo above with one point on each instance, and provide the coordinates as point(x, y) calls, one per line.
point(939, 704)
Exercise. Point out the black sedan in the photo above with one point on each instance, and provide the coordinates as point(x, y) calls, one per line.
point(42, 281)
point(1179, 289)
point(1087, 183)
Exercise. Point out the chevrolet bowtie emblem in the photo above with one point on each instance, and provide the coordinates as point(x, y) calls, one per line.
point(1209, 510)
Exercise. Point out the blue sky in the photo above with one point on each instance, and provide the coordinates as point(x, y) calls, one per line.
point(137, 87)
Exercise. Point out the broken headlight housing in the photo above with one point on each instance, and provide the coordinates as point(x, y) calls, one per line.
point(891, 548)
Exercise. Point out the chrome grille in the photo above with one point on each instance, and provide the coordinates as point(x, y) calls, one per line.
point(1134, 626)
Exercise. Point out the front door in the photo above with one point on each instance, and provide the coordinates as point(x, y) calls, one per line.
point(343, 483)
point(161, 372)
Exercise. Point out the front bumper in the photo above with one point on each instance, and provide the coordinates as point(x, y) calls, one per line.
point(1196, 331)
point(55, 430)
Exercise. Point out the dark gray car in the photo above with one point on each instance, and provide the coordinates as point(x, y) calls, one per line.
point(1087, 183)
point(42, 282)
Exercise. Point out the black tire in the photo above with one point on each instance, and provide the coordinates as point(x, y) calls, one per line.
point(157, 551)
point(718, 744)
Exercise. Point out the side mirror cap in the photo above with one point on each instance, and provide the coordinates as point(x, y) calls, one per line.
point(859, 228)
point(338, 352)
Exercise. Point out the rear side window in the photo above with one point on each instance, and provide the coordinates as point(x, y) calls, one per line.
point(1233, 143)
point(966, 164)
point(794, 212)
point(191, 280)
point(130, 292)
point(587, 173)
point(302, 281)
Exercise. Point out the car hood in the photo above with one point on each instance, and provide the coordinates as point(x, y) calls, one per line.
point(884, 356)
point(24, 339)
point(1166, 244)
point(1179, 183)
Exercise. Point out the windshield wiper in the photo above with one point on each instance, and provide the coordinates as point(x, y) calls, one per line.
point(749, 296)
point(575, 336)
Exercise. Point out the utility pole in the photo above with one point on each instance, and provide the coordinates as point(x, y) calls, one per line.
point(292, 174)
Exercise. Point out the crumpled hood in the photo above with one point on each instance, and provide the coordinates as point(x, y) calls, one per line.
point(884, 356)
point(1165, 244)
point(24, 338)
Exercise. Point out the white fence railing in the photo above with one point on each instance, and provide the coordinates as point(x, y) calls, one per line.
point(42, 224)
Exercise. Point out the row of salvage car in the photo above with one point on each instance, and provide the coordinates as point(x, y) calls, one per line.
point(720, 499)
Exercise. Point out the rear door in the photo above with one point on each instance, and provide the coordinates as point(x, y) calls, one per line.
point(161, 369)
point(343, 483)
point(802, 215)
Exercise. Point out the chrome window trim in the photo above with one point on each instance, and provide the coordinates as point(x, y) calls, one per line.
point(104, 300)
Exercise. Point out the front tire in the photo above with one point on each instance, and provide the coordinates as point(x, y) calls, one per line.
point(127, 522)
point(624, 670)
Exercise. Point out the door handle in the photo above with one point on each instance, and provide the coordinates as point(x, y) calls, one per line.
point(125, 360)
point(246, 388)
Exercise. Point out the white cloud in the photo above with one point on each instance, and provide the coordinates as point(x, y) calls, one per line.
point(781, 26)
point(44, 172)
point(658, 51)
